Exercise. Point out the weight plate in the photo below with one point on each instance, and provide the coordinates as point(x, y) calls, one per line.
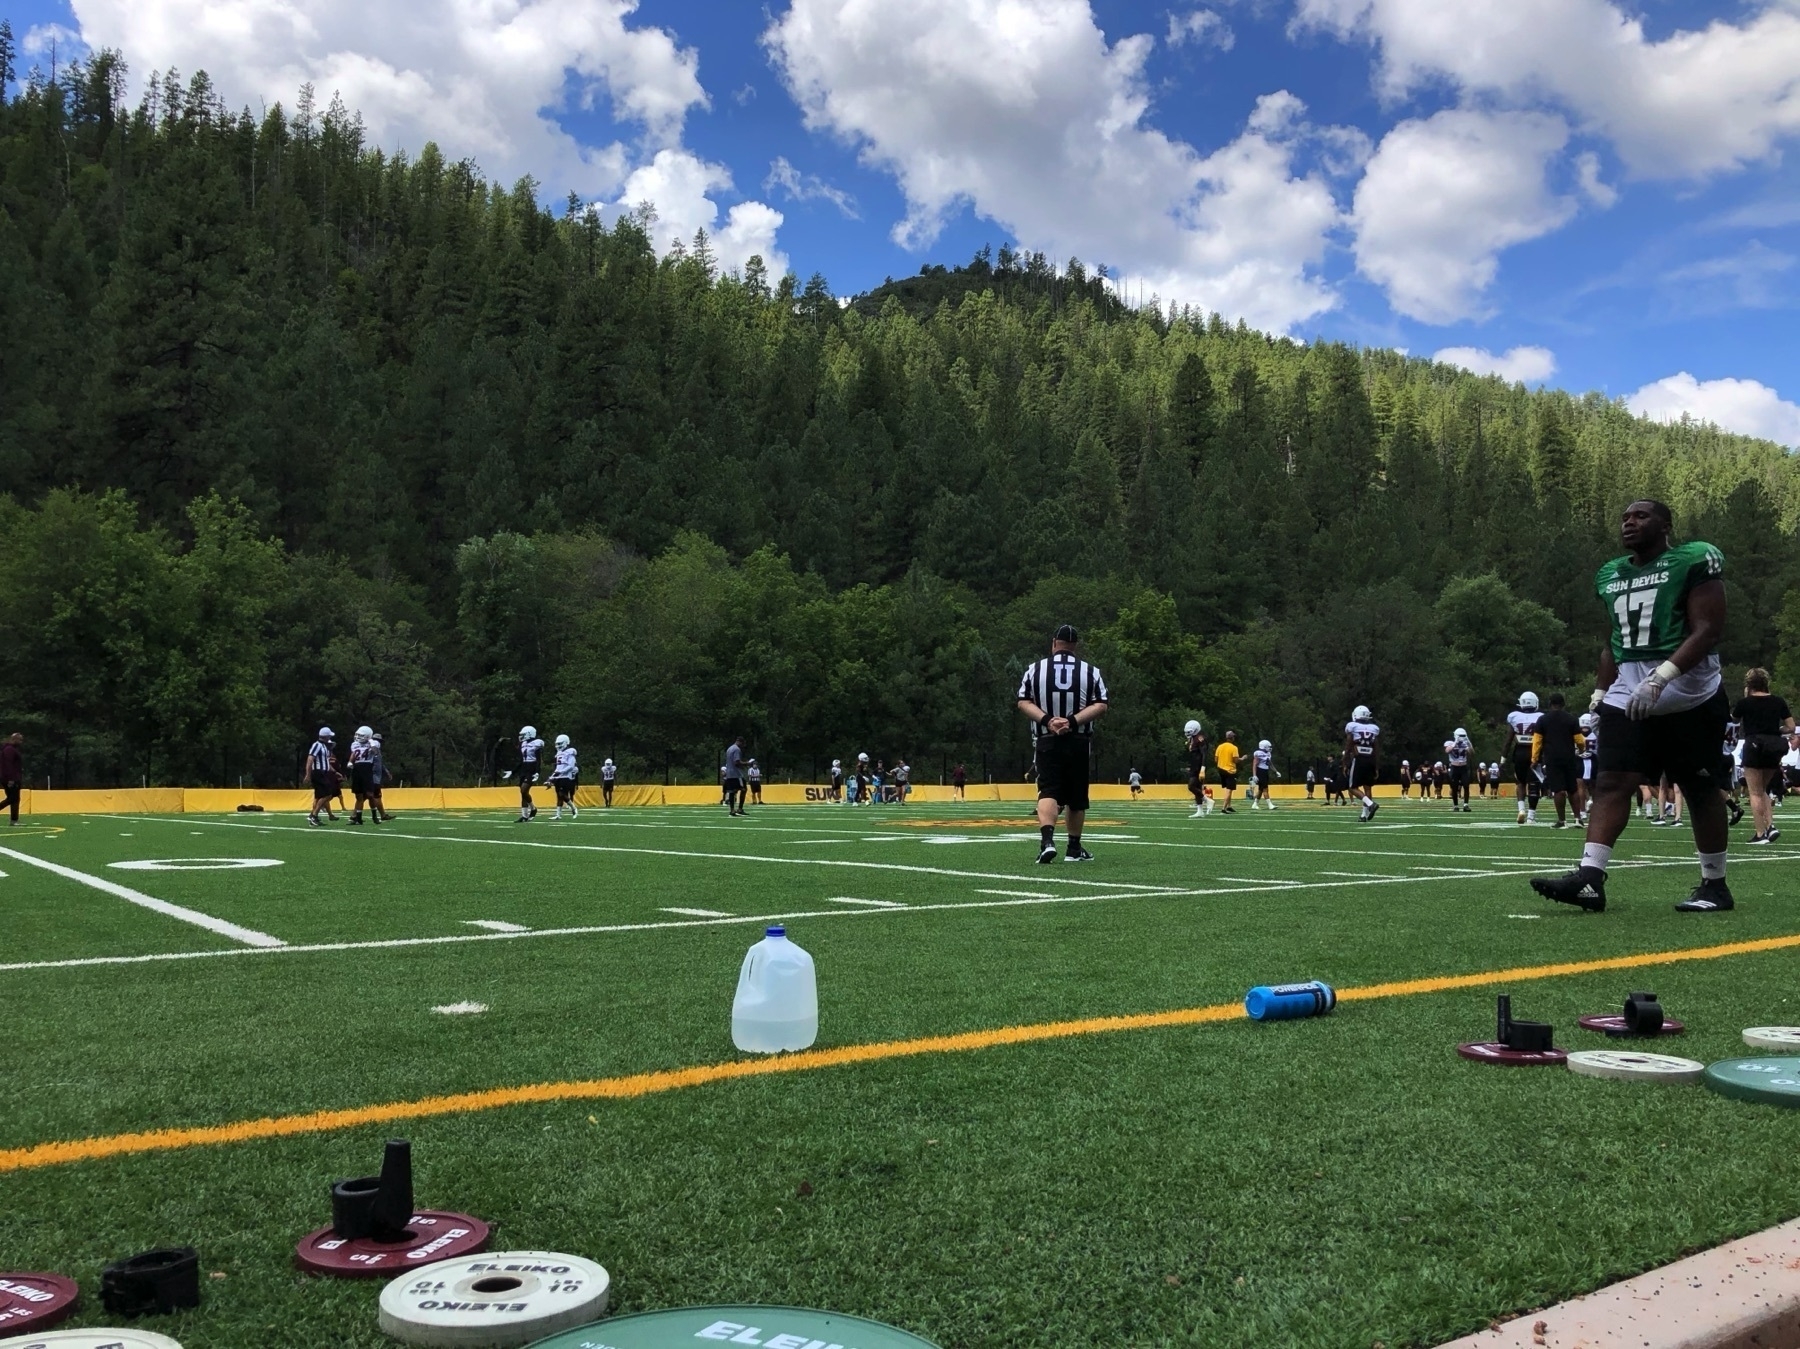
point(1774, 1037)
point(509, 1298)
point(1771, 1081)
point(93, 1339)
point(1630, 1066)
point(29, 1302)
point(1615, 1025)
point(433, 1235)
point(770, 1327)
point(1493, 1052)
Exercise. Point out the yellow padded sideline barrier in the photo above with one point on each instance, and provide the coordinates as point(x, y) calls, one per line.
point(222, 801)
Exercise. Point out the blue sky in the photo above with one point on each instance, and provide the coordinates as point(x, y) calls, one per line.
point(1576, 191)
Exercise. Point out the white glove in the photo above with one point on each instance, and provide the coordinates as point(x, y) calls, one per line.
point(1644, 696)
point(1597, 697)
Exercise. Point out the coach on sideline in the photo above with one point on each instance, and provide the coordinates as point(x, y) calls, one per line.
point(1063, 695)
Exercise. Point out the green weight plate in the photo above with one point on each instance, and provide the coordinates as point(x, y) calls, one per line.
point(1774, 1080)
point(766, 1327)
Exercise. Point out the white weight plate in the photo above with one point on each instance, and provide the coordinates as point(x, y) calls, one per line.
point(499, 1299)
point(92, 1339)
point(1633, 1065)
point(1773, 1037)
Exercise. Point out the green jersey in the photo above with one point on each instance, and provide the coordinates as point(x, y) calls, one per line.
point(1649, 603)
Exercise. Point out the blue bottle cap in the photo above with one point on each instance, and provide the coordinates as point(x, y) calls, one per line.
point(777, 931)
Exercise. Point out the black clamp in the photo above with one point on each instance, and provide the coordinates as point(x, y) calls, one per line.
point(377, 1207)
point(1526, 1037)
point(1643, 1014)
point(154, 1283)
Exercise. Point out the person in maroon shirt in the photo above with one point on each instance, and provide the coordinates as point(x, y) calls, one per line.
point(12, 772)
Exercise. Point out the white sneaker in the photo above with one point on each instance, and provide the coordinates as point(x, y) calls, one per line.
point(1521, 817)
point(1198, 812)
point(1531, 817)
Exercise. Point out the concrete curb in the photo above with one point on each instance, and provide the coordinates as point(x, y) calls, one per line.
point(1742, 1295)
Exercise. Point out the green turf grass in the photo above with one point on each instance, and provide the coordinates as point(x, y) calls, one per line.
point(1333, 1182)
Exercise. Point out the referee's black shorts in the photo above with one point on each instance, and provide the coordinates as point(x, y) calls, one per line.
point(321, 783)
point(1682, 746)
point(1062, 770)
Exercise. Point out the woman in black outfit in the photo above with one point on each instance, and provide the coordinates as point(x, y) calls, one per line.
point(1763, 721)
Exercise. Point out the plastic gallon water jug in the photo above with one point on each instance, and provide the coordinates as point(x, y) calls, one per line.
point(777, 1003)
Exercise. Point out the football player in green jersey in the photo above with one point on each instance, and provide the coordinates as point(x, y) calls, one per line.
point(1658, 698)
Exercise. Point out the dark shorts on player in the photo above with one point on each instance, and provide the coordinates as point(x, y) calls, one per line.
point(1459, 777)
point(1262, 782)
point(1062, 770)
point(362, 778)
point(1561, 775)
point(1195, 786)
point(321, 783)
point(1363, 771)
point(1228, 780)
point(1682, 746)
point(1763, 751)
point(1522, 773)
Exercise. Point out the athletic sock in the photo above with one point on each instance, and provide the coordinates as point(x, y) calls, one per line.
point(1047, 832)
point(1075, 846)
point(1596, 855)
point(1712, 866)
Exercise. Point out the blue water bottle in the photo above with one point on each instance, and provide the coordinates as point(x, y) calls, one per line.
point(1284, 1002)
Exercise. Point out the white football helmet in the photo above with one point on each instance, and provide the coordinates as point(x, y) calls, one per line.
point(837, 763)
point(1589, 721)
point(1361, 713)
point(862, 758)
point(562, 742)
point(1461, 735)
point(528, 733)
point(607, 764)
point(1264, 745)
point(1191, 729)
point(325, 733)
point(364, 732)
point(1528, 701)
point(1438, 764)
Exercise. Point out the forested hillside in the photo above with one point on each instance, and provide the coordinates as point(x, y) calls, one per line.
point(294, 430)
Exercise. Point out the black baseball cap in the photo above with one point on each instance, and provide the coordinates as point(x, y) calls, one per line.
point(1067, 633)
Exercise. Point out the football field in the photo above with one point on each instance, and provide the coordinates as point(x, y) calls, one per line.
point(1035, 1115)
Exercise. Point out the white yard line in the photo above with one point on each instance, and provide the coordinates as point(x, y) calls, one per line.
point(867, 903)
point(396, 943)
point(697, 913)
point(248, 936)
point(1022, 894)
point(495, 925)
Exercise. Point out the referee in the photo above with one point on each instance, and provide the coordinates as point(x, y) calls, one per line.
point(1063, 695)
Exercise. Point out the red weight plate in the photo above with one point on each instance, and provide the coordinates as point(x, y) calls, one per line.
point(1496, 1053)
point(432, 1235)
point(1615, 1025)
point(31, 1302)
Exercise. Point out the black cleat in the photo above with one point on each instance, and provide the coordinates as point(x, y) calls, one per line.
point(1737, 813)
point(1079, 855)
point(1584, 887)
point(1047, 855)
point(1708, 897)
point(1373, 807)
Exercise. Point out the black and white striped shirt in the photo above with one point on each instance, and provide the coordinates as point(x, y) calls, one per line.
point(318, 759)
point(1062, 685)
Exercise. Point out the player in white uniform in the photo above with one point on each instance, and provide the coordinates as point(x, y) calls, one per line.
point(1585, 747)
point(1137, 784)
point(1457, 752)
point(609, 774)
point(531, 754)
point(563, 776)
point(1362, 758)
point(1262, 768)
point(1522, 723)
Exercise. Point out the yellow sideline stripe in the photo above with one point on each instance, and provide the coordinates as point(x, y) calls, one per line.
point(675, 1079)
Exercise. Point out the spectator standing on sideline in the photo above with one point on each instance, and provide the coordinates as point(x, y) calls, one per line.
point(1062, 695)
point(959, 779)
point(12, 772)
point(1764, 721)
point(1225, 758)
point(734, 777)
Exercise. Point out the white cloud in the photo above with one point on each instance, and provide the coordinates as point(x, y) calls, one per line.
point(808, 187)
point(680, 186)
point(53, 41)
point(1743, 405)
point(1516, 365)
point(1587, 176)
point(1695, 103)
point(1203, 28)
point(484, 79)
point(1022, 110)
point(1444, 195)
